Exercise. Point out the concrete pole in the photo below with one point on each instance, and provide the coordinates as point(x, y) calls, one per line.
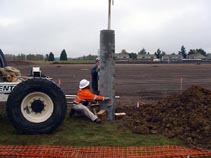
point(107, 71)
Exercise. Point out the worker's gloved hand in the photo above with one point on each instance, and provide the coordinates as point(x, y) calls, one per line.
point(106, 98)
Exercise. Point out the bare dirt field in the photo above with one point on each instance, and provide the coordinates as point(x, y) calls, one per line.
point(133, 81)
point(177, 99)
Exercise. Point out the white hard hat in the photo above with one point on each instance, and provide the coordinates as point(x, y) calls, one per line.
point(83, 83)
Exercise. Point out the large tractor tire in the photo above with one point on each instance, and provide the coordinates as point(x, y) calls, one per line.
point(36, 106)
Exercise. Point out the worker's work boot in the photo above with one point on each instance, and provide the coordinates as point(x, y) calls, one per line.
point(72, 113)
point(97, 120)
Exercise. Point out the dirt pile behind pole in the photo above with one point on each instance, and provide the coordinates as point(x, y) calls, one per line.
point(186, 116)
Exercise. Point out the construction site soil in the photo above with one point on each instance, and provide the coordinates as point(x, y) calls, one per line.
point(173, 100)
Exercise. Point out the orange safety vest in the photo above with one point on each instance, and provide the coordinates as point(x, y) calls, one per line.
point(86, 95)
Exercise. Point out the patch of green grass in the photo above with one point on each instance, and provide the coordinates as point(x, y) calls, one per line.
point(82, 132)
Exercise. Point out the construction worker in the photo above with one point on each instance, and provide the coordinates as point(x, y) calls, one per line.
point(84, 95)
point(95, 77)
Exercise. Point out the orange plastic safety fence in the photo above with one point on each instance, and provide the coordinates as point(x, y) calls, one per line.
point(11, 151)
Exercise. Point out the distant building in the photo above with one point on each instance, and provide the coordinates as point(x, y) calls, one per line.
point(146, 57)
point(123, 55)
point(196, 56)
point(208, 57)
point(172, 58)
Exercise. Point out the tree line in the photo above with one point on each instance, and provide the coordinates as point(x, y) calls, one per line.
point(63, 55)
point(50, 56)
point(159, 53)
point(47, 57)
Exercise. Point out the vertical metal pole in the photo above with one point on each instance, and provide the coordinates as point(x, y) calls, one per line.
point(109, 14)
point(107, 71)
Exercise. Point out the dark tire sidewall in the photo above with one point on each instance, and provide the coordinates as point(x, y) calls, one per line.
point(36, 85)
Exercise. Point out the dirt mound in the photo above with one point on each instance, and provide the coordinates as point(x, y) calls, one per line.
point(186, 116)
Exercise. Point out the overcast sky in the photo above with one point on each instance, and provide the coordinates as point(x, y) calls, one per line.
point(44, 26)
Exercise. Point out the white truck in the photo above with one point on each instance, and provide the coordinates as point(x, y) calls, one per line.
point(34, 105)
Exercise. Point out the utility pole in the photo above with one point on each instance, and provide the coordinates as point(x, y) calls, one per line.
point(109, 13)
point(107, 67)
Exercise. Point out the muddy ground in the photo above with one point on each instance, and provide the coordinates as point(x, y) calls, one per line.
point(136, 81)
point(172, 105)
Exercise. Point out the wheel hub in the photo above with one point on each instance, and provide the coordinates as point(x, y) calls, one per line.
point(37, 106)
